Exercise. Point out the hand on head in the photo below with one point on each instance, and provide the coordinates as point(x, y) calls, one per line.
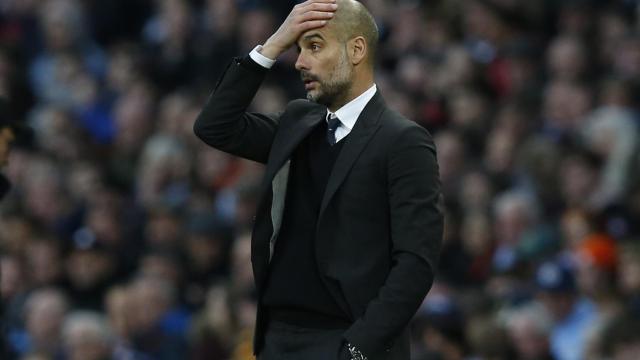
point(306, 16)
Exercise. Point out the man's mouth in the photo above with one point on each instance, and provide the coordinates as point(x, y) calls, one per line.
point(310, 84)
point(309, 81)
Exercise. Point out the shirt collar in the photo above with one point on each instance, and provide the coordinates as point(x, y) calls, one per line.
point(349, 113)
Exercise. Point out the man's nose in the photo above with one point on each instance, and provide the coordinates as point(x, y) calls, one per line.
point(301, 63)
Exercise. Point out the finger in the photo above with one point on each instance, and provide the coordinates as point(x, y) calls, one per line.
point(308, 25)
point(315, 15)
point(308, 2)
point(321, 6)
point(313, 11)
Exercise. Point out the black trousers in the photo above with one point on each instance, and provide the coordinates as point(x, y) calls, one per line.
point(289, 342)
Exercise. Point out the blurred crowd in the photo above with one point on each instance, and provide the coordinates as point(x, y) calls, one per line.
point(125, 237)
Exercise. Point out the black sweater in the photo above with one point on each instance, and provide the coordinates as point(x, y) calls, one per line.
point(295, 292)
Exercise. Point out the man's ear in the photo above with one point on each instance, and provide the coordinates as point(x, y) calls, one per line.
point(357, 50)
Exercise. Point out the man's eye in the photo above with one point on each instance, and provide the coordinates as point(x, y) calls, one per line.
point(315, 47)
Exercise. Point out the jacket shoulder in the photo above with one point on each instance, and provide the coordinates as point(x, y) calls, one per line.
point(296, 109)
point(396, 125)
point(300, 106)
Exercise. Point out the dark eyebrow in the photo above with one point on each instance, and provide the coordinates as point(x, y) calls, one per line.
point(308, 38)
point(311, 36)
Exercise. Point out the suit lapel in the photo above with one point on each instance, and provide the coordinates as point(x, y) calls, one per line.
point(365, 127)
point(284, 144)
point(277, 172)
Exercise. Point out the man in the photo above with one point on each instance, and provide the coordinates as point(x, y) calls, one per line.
point(348, 227)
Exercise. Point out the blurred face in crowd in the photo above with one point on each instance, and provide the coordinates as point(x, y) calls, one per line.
point(627, 351)
point(512, 219)
point(85, 341)
point(255, 26)
point(440, 344)
point(451, 155)
point(566, 58)
point(218, 310)
point(476, 234)
point(575, 226)
point(86, 348)
point(578, 180)
point(88, 268)
point(176, 17)
point(13, 277)
point(7, 137)
point(591, 280)
point(476, 190)
point(119, 311)
point(500, 152)
point(558, 304)
point(205, 252)
point(627, 59)
point(224, 15)
point(43, 258)
point(44, 314)
point(482, 23)
point(467, 109)
point(240, 262)
point(61, 22)
point(15, 232)
point(528, 340)
point(566, 104)
point(103, 218)
point(162, 266)
point(629, 272)
point(150, 300)
point(163, 229)
point(57, 134)
point(132, 113)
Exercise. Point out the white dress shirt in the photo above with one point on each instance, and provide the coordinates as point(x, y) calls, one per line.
point(348, 114)
point(261, 59)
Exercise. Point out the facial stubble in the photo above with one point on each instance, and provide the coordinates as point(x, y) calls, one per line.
point(336, 87)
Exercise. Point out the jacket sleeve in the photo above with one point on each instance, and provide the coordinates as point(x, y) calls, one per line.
point(416, 236)
point(224, 123)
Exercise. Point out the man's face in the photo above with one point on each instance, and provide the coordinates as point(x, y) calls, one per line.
point(324, 66)
point(6, 139)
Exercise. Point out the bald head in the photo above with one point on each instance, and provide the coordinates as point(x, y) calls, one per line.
point(351, 20)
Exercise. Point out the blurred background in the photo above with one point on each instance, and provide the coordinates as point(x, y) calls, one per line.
point(127, 238)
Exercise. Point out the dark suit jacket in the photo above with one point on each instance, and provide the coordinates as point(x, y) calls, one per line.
point(381, 210)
